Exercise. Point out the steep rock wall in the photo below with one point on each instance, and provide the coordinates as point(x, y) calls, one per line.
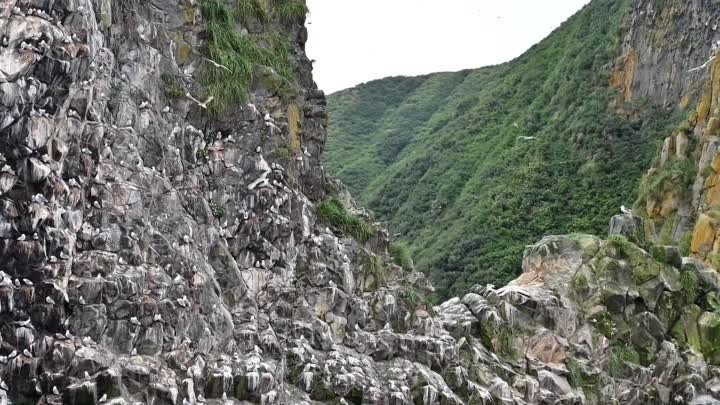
point(151, 254)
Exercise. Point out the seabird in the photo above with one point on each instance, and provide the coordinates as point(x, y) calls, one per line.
point(55, 390)
point(103, 398)
point(703, 66)
point(217, 65)
point(49, 300)
point(21, 237)
point(625, 211)
point(134, 321)
point(202, 105)
point(27, 282)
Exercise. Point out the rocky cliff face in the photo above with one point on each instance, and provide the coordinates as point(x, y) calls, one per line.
point(662, 42)
point(156, 251)
point(670, 56)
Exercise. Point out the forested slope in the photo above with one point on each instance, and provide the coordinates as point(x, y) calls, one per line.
point(470, 167)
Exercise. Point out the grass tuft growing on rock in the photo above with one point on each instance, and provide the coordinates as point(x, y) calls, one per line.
point(676, 175)
point(690, 286)
point(334, 213)
point(621, 243)
point(413, 298)
point(249, 9)
point(290, 11)
point(376, 267)
point(576, 375)
point(619, 357)
point(240, 55)
point(401, 255)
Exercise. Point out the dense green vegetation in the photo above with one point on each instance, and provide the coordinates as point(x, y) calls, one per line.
point(237, 58)
point(472, 166)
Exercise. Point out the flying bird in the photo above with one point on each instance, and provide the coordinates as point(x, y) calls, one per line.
point(217, 65)
point(703, 66)
point(202, 105)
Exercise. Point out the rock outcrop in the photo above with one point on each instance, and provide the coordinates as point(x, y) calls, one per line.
point(155, 253)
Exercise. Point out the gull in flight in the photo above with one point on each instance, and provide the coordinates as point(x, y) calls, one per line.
point(217, 65)
point(703, 66)
point(203, 105)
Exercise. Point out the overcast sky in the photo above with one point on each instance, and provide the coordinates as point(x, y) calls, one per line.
point(354, 41)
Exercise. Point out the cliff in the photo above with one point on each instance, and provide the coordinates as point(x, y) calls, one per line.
point(168, 236)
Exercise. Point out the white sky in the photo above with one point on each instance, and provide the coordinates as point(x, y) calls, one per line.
point(354, 41)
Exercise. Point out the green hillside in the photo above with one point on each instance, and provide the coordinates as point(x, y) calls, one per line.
point(443, 160)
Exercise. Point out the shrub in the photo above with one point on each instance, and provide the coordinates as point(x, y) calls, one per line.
point(217, 211)
point(334, 213)
point(604, 325)
point(171, 86)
